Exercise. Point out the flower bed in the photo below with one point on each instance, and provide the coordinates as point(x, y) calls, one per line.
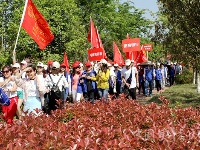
point(120, 124)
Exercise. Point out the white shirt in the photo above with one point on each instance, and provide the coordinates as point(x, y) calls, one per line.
point(112, 74)
point(164, 72)
point(32, 88)
point(126, 73)
point(9, 85)
point(62, 83)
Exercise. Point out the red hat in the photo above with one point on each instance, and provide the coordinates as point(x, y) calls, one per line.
point(75, 64)
point(88, 64)
point(62, 65)
point(50, 62)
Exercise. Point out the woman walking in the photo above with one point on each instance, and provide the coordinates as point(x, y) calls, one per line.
point(33, 90)
point(10, 88)
point(102, 81)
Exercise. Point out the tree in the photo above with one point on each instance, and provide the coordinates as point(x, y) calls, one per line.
point(183, 37)
point(70, 35)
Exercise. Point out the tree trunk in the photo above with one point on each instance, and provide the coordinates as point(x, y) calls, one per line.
point(198, 82)
point(194, 76)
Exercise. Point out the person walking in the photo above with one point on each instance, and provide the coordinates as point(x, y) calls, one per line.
point(130, 79)
point(10, 89)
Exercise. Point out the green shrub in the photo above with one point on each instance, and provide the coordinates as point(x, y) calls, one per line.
point(185, 78)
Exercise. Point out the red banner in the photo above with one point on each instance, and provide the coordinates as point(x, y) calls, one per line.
point(65, 61)
point(95, 54)
point(92, 35)
point(117, 55)
point(131, 45)
point(147, 47)
point(36, 26)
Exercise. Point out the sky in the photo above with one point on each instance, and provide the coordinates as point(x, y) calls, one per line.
point(145, 4)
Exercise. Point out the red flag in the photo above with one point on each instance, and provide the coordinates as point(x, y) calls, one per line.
point(94, 38)
point(36, 26)
point(141, 57)
point(117, 55)
point(92, 35)
point(101, 45)
point(132, 55)
point(65, 61)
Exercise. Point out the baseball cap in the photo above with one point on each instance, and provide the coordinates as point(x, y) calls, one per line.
point(76, 64)
point(128, 62)
point(23, 62)
point(16, 65)
point(62, 65)
point(116, 65)
point(40, 64)
point(103, 61)
point(88, 64)
point(56, 65)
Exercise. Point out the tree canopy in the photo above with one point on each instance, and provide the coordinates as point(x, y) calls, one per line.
point(69, 22)
point(182, 38)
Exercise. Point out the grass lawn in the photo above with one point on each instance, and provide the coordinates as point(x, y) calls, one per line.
point(182, 95)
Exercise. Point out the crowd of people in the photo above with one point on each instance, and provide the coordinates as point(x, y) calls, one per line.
point(39, 87)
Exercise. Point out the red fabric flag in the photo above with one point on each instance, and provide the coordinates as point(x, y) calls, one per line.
point(36, 26)
point(132, 55)
point(92, 35)
point(65, 61)
point(101, 45)
point(117, 55)
point(94, 38)
point(141, 57)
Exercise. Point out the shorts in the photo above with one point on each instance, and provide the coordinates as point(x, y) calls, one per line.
point(20, 94)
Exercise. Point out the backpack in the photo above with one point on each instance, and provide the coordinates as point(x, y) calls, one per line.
point(55, 89)
point(4, 100)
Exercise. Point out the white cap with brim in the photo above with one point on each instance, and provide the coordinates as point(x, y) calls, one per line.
point(56, 65)
point(103, 61)
point(40, 64)
point(24, 62)
point(16, 65)
point(116, 65)
point(128, 62)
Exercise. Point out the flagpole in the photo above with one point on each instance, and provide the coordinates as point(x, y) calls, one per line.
point(14, 51)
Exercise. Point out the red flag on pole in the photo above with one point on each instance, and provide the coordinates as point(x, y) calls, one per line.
point(36, 26)
point(117, 55)
point(92, 35)
point(94, 38)
point(101, 45)
point(65, 61)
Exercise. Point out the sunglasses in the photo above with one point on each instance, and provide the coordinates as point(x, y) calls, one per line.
point(5, 71)
point(29, 71)
point(39, 67)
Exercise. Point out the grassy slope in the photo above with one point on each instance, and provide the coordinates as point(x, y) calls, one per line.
point(182, 95)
